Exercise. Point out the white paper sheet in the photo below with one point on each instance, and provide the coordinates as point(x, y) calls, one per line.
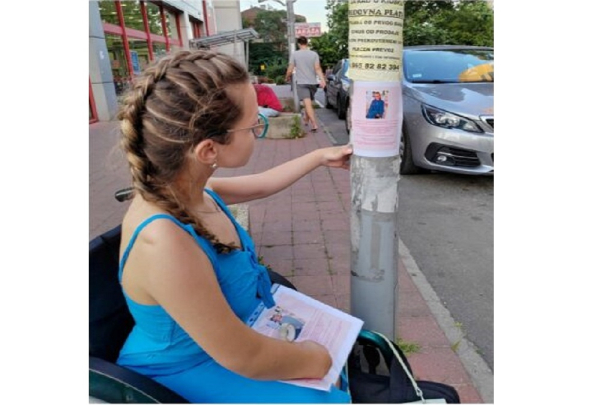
point(299, 317)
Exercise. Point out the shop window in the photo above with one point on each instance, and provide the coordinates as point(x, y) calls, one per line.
point(140, 56)
point(108, 12)
point(159, 50)
point(132, 14)
point(196, 28)
point(118, 62)
point(171, 24)
point(154, 19)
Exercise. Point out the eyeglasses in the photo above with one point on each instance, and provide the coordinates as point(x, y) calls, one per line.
point(259, 130)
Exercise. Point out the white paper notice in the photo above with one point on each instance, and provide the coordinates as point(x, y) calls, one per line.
point(376, 116)
point(298, 317)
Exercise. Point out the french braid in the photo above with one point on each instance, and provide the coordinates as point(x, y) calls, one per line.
point(171, 107)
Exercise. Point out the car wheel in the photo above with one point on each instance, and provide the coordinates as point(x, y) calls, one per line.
point(407, 165)
point(341, 109)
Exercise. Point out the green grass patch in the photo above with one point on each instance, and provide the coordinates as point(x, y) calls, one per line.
point(408, 347)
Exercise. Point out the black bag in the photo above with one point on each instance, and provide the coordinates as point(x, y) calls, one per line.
point(377, 376)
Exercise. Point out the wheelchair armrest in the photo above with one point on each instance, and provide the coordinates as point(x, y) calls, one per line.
point(115, 384)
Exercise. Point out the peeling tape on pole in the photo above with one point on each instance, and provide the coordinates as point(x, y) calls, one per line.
point(375, 39)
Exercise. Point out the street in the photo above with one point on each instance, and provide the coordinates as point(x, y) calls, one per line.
point(446, 222)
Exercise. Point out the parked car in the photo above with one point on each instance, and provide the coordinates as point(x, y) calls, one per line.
point(337, 90)
point(448, 107)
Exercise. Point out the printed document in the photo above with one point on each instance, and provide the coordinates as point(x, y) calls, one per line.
point(298, 317)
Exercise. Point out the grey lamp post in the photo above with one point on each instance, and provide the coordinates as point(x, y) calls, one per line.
point(291, 35)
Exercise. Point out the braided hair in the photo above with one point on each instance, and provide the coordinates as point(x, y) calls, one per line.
point(176, 103)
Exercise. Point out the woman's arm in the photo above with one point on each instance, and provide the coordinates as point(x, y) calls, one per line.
point(234, 190)
point(167, 267)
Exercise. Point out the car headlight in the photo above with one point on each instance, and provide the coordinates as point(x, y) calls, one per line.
point(445, 119)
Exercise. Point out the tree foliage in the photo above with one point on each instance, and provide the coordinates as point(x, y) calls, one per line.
point(266, 54)
point(329, 49)
point(448, 23)
point(425, 23)
point(271, 51)
point(271, 26)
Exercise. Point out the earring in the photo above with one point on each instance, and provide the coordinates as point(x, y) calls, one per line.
point(214, 165)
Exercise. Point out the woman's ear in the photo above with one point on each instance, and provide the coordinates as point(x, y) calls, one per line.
point(206, 152)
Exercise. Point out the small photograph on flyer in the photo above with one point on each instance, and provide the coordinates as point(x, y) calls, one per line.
point(287, 325)
point(377, 104)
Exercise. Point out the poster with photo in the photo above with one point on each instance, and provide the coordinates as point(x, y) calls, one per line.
point(376, 115)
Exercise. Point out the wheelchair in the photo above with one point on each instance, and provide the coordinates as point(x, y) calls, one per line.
point(110, 323)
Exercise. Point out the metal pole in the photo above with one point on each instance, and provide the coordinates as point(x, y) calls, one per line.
point(291, 20)
point(247, 49)
point(375, 68)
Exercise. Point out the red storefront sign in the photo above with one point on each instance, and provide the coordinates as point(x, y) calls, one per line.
point(308, 30)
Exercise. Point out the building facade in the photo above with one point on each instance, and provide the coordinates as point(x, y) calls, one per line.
point(125, 36)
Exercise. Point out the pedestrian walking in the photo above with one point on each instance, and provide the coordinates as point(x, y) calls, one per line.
point(309, 77)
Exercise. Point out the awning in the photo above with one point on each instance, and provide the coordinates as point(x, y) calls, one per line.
point(224, 38)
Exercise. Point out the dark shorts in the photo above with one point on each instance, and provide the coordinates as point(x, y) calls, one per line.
point(306, 91)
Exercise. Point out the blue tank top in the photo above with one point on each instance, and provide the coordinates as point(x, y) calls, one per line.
point(159, 348)
point(156, 339)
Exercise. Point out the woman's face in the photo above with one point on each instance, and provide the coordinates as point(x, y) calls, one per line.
point(238, 152)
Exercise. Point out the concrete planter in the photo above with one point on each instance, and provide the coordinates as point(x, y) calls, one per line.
point(286, 125)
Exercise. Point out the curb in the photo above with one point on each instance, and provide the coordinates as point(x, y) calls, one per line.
point(481, 375)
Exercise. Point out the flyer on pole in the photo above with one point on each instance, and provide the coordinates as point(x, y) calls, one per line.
point(376, 115)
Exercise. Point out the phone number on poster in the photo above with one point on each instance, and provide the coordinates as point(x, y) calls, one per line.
point(375, 66)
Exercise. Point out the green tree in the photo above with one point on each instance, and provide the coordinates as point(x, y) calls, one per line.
point(470, 23)
point(448, 22)
point(463, 22)
point(328, 49)
point(272, 50)
point(263, 53)
point(271, 26)
point(427, 8)
point(333, 45)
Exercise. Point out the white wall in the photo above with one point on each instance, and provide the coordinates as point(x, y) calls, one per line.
point(229, 18)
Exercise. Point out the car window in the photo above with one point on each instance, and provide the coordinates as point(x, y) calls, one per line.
point(449, 66)
point(336, 69)
point(345, 67)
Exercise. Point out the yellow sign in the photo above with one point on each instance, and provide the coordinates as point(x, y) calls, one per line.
point(375, 39)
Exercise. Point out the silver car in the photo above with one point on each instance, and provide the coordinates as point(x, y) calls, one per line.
point(448, 101)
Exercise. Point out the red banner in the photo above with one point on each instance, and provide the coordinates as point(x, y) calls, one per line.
point(308, 30)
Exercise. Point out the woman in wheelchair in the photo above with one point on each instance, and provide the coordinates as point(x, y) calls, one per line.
point(189, 272)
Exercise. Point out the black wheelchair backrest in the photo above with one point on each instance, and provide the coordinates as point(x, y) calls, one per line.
point(110, 321)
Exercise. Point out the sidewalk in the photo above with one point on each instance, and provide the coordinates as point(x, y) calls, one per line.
point(304, 234)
